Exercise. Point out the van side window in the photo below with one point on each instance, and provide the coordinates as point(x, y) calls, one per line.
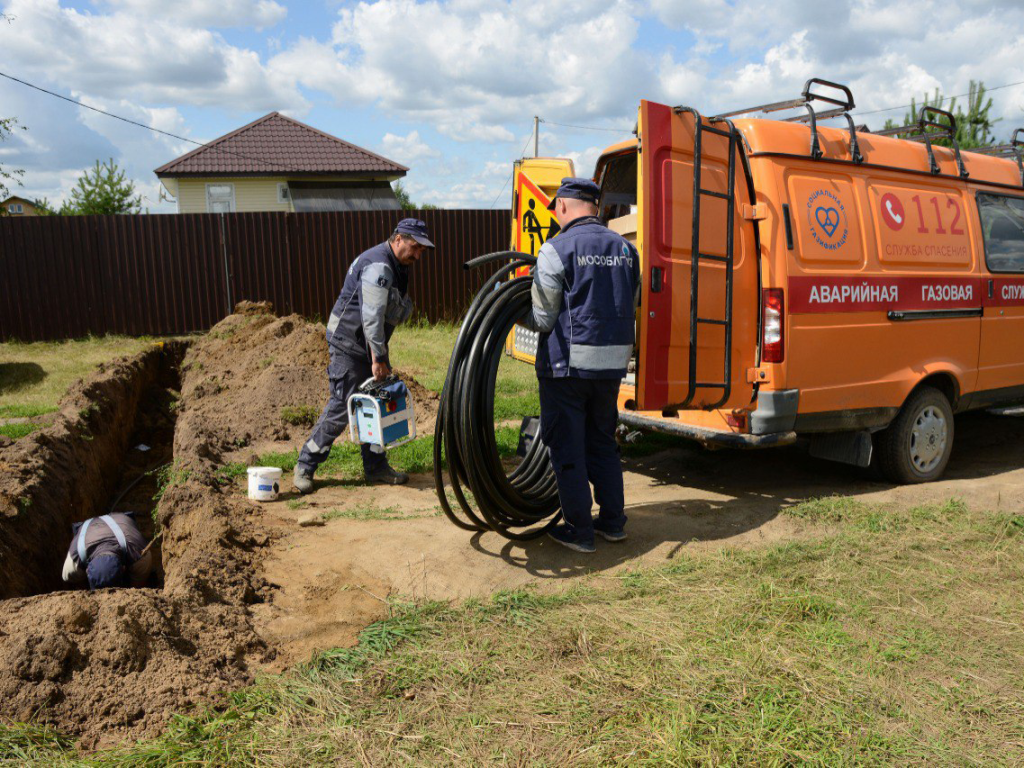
point(1002, 224)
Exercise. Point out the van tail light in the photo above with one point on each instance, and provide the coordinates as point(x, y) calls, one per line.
point(773, 325)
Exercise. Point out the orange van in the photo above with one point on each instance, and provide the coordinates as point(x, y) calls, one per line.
point(854, 288)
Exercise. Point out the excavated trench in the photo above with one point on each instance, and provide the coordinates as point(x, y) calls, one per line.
point(116, 663)
point(104, 453)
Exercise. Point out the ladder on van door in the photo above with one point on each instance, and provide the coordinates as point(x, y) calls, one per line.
point(841, 108)
point(697, 255)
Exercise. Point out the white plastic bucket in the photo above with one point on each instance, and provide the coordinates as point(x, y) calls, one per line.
point(264, 483)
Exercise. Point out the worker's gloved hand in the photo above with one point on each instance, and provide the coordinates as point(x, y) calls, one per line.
point(380, 371)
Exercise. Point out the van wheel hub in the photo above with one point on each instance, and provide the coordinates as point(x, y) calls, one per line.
point(928, 439)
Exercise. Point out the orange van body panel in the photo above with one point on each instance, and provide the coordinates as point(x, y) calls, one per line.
point(881, 264)
point(873, 243)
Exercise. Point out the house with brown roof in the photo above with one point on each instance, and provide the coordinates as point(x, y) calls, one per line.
point(279, 164)
point(18, 206)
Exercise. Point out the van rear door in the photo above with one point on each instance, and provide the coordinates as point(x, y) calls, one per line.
point(669, 368)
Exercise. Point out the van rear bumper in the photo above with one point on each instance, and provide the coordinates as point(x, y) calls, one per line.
point(704, 436)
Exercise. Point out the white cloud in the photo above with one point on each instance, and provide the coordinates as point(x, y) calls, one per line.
point(406, 149)
point(471, 67)
point(259, 14)
point(125, 55)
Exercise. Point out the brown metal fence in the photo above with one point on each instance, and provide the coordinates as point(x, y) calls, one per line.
point(69, 276)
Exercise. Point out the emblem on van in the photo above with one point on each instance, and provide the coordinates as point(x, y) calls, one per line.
point(826, 216)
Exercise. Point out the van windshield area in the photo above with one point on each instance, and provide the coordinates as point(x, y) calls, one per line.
point(618, 187)
point(1002, 224)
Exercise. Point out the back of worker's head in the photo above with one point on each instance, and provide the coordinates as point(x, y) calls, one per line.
point(105, 570)
point(575, 197)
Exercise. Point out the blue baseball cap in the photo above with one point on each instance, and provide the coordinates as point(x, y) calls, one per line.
point(579, 189)
point(416, 229)
point(104, 571)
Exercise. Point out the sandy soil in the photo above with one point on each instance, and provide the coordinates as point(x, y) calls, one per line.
point(332, 580)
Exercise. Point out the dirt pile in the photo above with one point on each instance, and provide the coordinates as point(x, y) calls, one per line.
point(258, 379)
point(114, 664)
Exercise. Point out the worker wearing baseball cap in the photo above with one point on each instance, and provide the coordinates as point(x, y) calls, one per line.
point(585, 288)
point(374, 300)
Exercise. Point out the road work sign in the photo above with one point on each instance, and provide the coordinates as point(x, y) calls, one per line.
point(536, 224)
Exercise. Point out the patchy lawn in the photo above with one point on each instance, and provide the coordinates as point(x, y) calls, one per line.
point(34, 376)
point(882, 635)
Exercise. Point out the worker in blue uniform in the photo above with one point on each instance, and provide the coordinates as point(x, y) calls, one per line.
point(374, 300)
point(108, 551)
point(586, 285)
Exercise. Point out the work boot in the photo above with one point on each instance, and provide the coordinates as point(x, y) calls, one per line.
point(607, 532)
point(387, 476)
point(568, 537)
point(303, 480)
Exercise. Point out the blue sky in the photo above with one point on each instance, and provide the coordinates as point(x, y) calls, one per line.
point(449, 87)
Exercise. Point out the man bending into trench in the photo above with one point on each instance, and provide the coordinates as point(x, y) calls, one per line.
point(373, 301)
point(108, 551)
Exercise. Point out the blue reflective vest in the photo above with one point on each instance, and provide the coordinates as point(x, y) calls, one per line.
point(373, 301)
point(586, 286)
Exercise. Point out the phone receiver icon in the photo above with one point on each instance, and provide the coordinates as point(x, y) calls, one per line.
point(895, 216)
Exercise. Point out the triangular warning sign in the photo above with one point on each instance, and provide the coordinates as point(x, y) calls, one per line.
point(535, 224)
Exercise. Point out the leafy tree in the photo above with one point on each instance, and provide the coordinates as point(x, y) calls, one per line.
point(8, 175)
point(44, 207)
point(406, 202)
point(973, 127)
point(103, 190)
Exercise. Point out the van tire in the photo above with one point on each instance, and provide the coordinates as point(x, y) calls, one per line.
point(916, 447)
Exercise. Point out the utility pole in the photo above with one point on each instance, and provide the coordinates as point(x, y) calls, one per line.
point(536, 136)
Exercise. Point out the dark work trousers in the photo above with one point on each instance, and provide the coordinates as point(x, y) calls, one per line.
point(577, 423)
point(345, 374)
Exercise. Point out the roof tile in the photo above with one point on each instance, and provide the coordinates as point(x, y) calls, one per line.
point(279, 144)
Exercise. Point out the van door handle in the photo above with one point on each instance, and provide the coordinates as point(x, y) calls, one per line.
point(657, 277)
point(991, 289)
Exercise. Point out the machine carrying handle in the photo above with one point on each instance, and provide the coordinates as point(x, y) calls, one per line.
point(378, 388)
point(846, 104)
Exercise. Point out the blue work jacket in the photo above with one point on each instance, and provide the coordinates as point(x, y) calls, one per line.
point(585, 290)
point(374, 300)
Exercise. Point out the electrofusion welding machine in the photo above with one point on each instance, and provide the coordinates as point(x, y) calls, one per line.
point(381, 414)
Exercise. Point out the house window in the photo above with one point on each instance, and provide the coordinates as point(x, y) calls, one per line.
point(220, 198)
point(15, 208)
point(283, 195)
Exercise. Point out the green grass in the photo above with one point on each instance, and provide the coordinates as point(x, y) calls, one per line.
point(300, 415)
point(34, 376)
point(369, 512)
point(15, 431)
point(423, 351)
point(848, 645)
point(345, 460)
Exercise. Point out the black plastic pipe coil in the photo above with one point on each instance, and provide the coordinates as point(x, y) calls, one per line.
point(520, 505)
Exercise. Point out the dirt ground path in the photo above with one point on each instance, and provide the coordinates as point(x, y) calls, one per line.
point(332, 581)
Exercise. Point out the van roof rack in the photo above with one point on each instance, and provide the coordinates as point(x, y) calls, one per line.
point(843, 105)
point(1013, 149)
point(919, 131)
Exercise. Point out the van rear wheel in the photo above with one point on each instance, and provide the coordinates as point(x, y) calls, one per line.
point(915, 448)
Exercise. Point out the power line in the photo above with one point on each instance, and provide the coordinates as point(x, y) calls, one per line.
point(958, 96)
point(143, 125)
point(507, 180)
point(588, 127)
